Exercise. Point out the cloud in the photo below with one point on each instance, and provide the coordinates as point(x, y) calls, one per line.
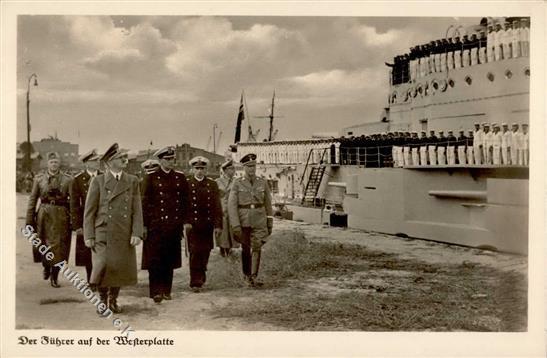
point(337, 84)
point(372, 38)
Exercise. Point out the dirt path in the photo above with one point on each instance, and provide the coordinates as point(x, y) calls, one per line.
point(220, 306)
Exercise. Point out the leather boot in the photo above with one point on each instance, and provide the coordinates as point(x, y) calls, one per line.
point(255, 265)
point(54, 276)
point(103, 294)
point(113, 300)
point(47, 272)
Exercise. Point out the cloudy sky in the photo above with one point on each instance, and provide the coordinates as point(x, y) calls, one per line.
point(169, 79)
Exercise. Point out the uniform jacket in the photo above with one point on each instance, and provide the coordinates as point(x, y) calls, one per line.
point(78, 192)
point(164, 203)
point(204, 212)
point(245, 194)
point(225, 240)
point(113, 213)
point(51, 222)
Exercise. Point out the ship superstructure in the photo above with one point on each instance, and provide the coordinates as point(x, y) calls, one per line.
point(482, 77)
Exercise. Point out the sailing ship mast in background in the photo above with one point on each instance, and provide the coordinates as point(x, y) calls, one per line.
point(272, 133)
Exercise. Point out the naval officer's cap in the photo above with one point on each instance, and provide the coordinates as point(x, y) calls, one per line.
point(150, 165)
point(89, 156)
point(504, 125)
point(248, 159)
point(165, 152)
point(227, 164)
point(525, 124)
point(53, 155)
point(199, 162)
point(113, 152)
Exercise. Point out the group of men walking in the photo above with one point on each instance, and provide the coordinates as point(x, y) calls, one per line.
point(500, 146)
point(113, 211)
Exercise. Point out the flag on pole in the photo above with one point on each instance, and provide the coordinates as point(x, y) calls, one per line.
point(240, 118)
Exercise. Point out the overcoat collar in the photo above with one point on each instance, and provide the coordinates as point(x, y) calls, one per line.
point(114, 186)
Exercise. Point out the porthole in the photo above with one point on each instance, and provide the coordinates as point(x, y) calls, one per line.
point(527, 72)
point(409, 93)
point(468, 80)
point(414, 92)
point(451, 82)
point(490, 76)
point(508, 74)
point(435, 85)
point(420, 89)
point(444, 86)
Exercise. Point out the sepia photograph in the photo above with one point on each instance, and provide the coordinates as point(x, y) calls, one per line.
point(267, 172)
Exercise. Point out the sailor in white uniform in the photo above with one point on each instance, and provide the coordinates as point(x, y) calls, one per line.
point(478, 141)
point(496, 144)
point(505, 144)
point(514, 143)
point(487, 144)
point(470, 149)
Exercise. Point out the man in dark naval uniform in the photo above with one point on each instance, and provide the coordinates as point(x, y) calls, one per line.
point(203, 220)
point(78, 193)
point(164, 196)
point(251, 216)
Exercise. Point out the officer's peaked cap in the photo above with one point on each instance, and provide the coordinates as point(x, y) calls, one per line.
point(113, 152)
point(227, 164)
point(165, 152)
point(150, 165)
point(53, 155)
point(89, 156)
point(199, 161)
point(248, 159)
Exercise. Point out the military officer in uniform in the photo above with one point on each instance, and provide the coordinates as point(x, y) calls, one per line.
point(113, 226)
point(164, 198)
point(225, 241)
point(52, 220)
point(250, 213)
point(78, 193)
point(203, 220)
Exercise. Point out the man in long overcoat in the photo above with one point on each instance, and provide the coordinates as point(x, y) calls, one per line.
point(165, 193)
point(225, 241)
point(78, 193)
point(203, 220)
point(113, 226)
point(52, 220)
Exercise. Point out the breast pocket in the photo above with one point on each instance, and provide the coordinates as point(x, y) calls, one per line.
point(244, 197)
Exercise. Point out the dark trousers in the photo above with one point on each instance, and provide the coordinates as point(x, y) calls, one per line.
point(198, 267)
point(246, 258)
point(160, 280)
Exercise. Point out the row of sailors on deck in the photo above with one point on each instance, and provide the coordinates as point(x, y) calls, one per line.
point(479, 147)
point(313, 152)
point(504, 39)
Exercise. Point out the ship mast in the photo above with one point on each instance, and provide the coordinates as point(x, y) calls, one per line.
point(271, 134)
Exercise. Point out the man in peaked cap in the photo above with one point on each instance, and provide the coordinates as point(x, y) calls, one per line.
point(164, 198)
point(487, 144)
point(113, 226)
point(470, 148)
point(461, 143)
point(52, 220)
point(78, 194)
point(496, 144)
point(225, 241)
point(251, 217)
point(203, 220)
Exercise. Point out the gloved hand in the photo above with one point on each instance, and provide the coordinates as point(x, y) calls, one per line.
point(79, 231)
point(90, 243)
point(236, 231)
point(217, 232)
point(135, 240)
